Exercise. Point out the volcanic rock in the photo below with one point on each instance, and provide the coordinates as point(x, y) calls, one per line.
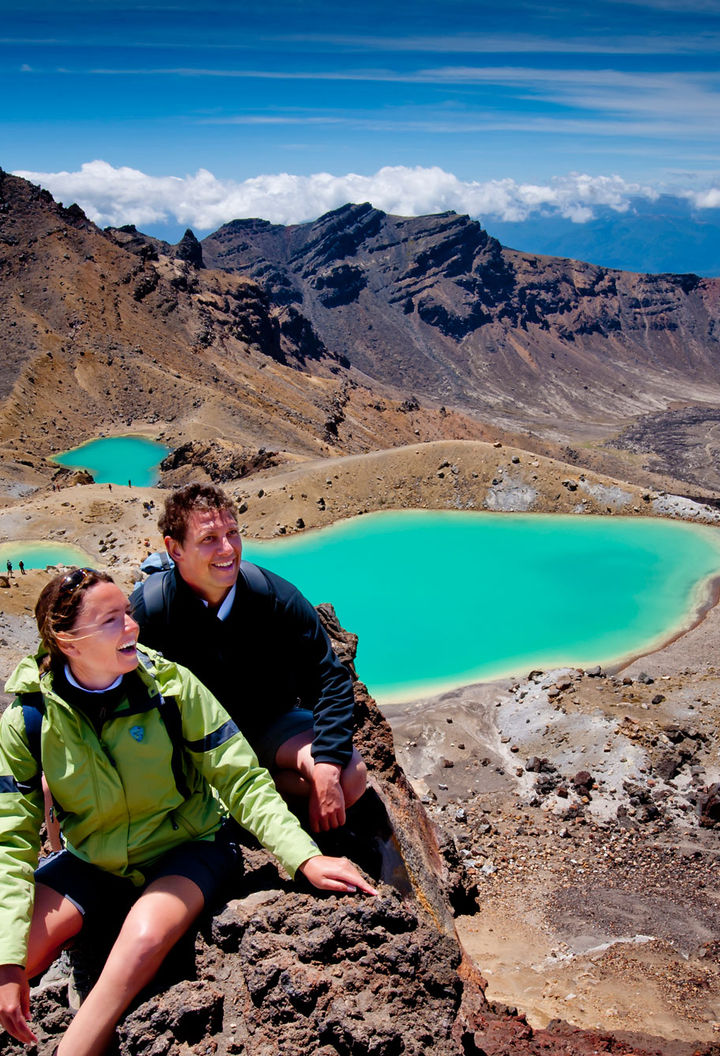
point(190, 250)
point(436, 304)
point(214, 460)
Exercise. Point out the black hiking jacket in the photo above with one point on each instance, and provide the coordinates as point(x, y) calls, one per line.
point(270, 654)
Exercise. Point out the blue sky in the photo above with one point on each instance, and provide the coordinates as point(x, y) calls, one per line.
point(505, 109)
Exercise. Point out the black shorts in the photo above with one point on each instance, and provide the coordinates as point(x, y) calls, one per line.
point(208, 863)
point(292, 722)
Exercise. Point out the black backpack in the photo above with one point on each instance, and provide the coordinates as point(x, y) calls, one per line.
point(159, 566)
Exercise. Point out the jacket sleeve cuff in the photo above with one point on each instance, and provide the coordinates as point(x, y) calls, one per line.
point(305, 849)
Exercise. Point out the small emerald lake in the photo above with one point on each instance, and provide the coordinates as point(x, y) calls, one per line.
point(441, 599)
point(37, 554)
point(117, 459)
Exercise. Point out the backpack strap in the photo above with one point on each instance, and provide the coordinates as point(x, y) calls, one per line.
point(256, 579)
point(154, 593)
point(170, 714)
point(157, 562)
point(154, 588)
point(33, 709)
point(169, 711)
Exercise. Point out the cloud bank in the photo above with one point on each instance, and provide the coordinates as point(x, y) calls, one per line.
point(113, 196)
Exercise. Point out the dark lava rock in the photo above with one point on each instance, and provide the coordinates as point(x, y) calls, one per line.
point(217, 460)
point(537, 765)
point(190, 1012)
point(546, 783)
point(583, 782)
point(190, 250)
point(341, 285)
point(709, 806)
point(668, 763)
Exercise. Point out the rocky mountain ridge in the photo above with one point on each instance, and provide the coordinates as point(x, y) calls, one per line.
point(105, 332)
point(357, 332)
point(435, 304)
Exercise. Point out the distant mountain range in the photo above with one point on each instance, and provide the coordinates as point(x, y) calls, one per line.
point(436, 305)
point(360, 330)
point(668, 235)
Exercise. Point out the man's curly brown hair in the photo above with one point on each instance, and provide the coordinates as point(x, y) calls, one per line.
point(185, 501)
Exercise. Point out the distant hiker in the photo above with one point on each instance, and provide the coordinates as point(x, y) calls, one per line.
point(9, 568)
point(130, 746)
point(109, 487)
point(259, 646)
point(21, 566)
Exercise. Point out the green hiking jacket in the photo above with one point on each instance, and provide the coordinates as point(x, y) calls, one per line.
point(119, 803)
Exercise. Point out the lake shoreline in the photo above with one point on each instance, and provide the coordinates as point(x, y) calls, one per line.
point(711, 603)
point(696, 642)
point(701, 614)
point(502, 595)
point(138, 455)
point(557, 872)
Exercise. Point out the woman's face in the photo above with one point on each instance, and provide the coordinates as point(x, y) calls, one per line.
point(102, 642)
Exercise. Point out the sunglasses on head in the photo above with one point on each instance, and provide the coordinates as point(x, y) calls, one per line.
point(75, 579)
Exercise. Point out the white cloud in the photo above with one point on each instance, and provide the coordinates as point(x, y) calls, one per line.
point(709, 199)
point(116, 196)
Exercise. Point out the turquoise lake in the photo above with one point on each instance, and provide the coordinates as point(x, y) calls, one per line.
point(37, 554)
point(442, 599)
point(118, 459)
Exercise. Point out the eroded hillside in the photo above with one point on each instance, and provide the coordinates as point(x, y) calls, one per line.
point(436, 304)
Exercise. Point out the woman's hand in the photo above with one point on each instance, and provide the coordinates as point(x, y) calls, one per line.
point(335, 874)
point(15, 1003)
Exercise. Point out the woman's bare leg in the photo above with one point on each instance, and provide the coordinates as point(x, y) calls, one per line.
point(55, 921)
point(161, 915)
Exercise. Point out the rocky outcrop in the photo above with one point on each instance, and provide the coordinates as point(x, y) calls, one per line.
point(214, 460)
point(69, 478)
point(190, 250)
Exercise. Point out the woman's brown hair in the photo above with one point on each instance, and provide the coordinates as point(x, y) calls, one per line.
point(59, 604)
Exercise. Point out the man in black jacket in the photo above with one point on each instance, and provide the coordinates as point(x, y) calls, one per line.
point(258, 645)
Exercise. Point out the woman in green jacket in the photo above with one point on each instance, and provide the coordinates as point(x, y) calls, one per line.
point(139, 818)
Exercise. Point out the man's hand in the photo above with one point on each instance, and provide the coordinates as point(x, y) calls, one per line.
point(335, 874)
point(327, 802)
point(15, 1003)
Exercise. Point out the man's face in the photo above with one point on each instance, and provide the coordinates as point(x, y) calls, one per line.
point(209, 558)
